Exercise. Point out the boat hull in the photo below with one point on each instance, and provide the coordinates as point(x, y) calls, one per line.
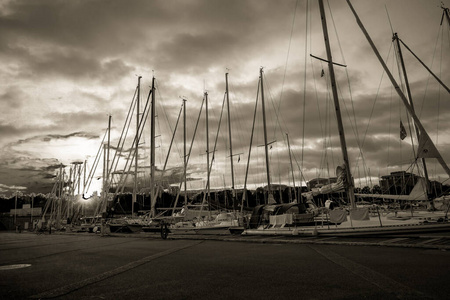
point(213, 230)
point(376, 225)
point(124, 228)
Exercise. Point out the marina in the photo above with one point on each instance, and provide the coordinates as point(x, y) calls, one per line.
point(225, 149)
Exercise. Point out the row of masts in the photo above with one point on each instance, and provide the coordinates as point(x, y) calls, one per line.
point(420, 131)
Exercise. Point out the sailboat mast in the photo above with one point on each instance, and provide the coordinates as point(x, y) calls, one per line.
point(423, 134)
point(102, 207)
point(207, 150)
point(106, 182)
point(184, 154)
point(152, 151)
point(408, 90)
point(349, 188)
point(136, 146)
point(109, 144)
point(265, 132)
point(229, 137)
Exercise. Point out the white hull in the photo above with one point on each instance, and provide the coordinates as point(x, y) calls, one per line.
point(421, 222)
point(213, 230)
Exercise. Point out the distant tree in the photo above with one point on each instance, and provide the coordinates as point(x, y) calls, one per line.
point(358, 190)
point(376, 189)
point(365, 190)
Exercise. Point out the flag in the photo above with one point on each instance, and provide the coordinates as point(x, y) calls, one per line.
point(402, 131)
point(322, 73)
point(426, 148)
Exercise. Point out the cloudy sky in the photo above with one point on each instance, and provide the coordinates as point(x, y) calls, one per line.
point(67, 65)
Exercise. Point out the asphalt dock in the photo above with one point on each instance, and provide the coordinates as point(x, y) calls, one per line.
point(143, 266)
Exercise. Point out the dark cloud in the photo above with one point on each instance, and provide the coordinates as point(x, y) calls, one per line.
point(67, 66)
point(77, 66)
point(50, 137)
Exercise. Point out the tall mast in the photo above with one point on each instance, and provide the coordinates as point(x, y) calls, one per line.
point(229, 137)
point(152, 151)
point(83, 212)
point(61, 186)
point(265, 133)
point(423, 134)
point(349, 187)
point(184, 151)
point(408, 90)
point(70, 192)
point(207, 150)
point(109, 144)
point(106, 182)
point(136, 146)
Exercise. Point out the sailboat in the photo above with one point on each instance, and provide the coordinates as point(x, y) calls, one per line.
point(353, 220)
point(205, 221)
point(133, 223)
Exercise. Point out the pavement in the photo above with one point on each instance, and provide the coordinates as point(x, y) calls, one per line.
point(139, 266)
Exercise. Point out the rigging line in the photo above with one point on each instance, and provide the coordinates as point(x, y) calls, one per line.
point(287, 55)
point(429, 75)
point(327, 143)
point(250, 147)
point(125, 134)
point(373, 108)
point(354, 129)
point(329, 137)
point(403, 88)
point(224, 139)
point(116, 155)
point(141, 126)
point(389, 128)
point(428, 69)
point(402, 85)
point(277, 117)
point(389, 19)
point(237, 111)
point(302, 175)
point(190, 150)
point(348, 82)
point(94, 166)
point(439, 101)
point(217, 135)
point(165, 113)
point(130, 151)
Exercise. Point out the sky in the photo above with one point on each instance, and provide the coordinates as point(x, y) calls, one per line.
point(66, 66)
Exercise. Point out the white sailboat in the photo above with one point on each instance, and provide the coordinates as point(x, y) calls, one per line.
point(205, 221)
point(353, 220)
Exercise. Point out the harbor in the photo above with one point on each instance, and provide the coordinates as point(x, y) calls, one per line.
point(216, 149)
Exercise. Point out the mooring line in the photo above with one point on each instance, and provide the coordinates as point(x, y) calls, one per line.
point(385, 283)
point(78, 285)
